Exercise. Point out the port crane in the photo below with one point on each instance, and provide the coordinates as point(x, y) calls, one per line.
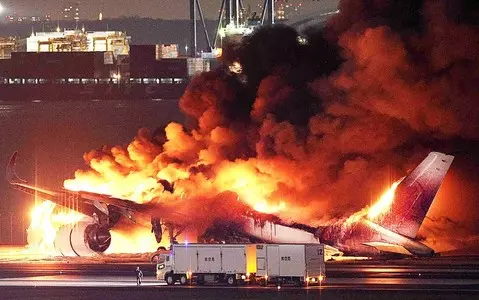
point(233, 20)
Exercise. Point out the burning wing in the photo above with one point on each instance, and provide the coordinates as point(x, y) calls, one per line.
point(84, 202)
point(101, 213)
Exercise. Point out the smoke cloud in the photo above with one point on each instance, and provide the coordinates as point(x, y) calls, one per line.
point(315, 131)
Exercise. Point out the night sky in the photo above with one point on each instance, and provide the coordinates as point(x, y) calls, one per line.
point(165, 9)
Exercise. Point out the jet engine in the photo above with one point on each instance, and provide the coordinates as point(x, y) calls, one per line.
point(82, 239)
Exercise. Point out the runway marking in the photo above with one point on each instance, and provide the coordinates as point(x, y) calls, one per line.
point(366, 284)
point(158, 285)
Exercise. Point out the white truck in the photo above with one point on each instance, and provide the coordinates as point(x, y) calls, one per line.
point(299, 264)
point(240, 263)
point(207, 263)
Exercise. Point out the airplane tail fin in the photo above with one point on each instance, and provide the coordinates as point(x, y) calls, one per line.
point(10, 173)
point(415, 194)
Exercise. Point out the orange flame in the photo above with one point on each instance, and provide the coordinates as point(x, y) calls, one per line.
point(140, 240)
point(47, 220)
point(45, 223)
point(378, 209)
point(384, 203)
point(252, 187)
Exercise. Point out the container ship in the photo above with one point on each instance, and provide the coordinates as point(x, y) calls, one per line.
point(80, 65)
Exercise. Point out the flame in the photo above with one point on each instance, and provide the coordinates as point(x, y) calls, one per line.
point(378, 209)
point(138, 240)
point(383, 205)
point(46, 220)
point(136, 186)
point(253, 187)
point(241, 177)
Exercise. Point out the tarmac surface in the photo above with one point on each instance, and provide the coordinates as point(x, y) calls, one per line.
point(404, 279)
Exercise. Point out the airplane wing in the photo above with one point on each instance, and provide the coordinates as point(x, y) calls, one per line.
point(62, 197)
point(87, 202)
point(104, 210)
point(385, 247)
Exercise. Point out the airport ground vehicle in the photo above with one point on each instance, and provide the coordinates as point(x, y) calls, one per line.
point(206, 263)
point(298, 264)
point(242, 263)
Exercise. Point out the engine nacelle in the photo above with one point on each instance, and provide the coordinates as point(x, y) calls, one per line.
point(82, 239)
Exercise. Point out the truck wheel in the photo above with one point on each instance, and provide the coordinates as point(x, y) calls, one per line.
point(169, 279)
point(183, 280)
point(298, 283)
point(262, 282)
point(231, 280)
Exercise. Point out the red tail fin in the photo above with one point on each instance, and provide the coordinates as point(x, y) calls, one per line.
point(415, 194)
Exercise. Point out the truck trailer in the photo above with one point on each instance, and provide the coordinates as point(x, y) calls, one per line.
point(298, 264)
point(207, 263)
point(233, 264)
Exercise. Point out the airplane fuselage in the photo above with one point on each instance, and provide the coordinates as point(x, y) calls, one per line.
point(365, 237)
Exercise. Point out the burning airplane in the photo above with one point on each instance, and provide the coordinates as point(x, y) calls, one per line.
point(390, 225)
point(306, 134)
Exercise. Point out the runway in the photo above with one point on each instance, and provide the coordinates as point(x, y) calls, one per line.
point(106, 288)
point(336, 283)
point(432, 279)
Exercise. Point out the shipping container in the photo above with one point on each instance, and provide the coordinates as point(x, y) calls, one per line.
point(197, 65)
point(166, 51)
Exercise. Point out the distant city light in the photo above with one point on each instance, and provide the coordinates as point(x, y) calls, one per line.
point(1, 8)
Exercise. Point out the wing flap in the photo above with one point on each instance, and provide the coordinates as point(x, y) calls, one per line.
point(386, 247)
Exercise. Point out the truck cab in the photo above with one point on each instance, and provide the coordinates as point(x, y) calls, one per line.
point(164, 266)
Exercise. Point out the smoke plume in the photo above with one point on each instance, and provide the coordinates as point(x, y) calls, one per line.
point(317, 125)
